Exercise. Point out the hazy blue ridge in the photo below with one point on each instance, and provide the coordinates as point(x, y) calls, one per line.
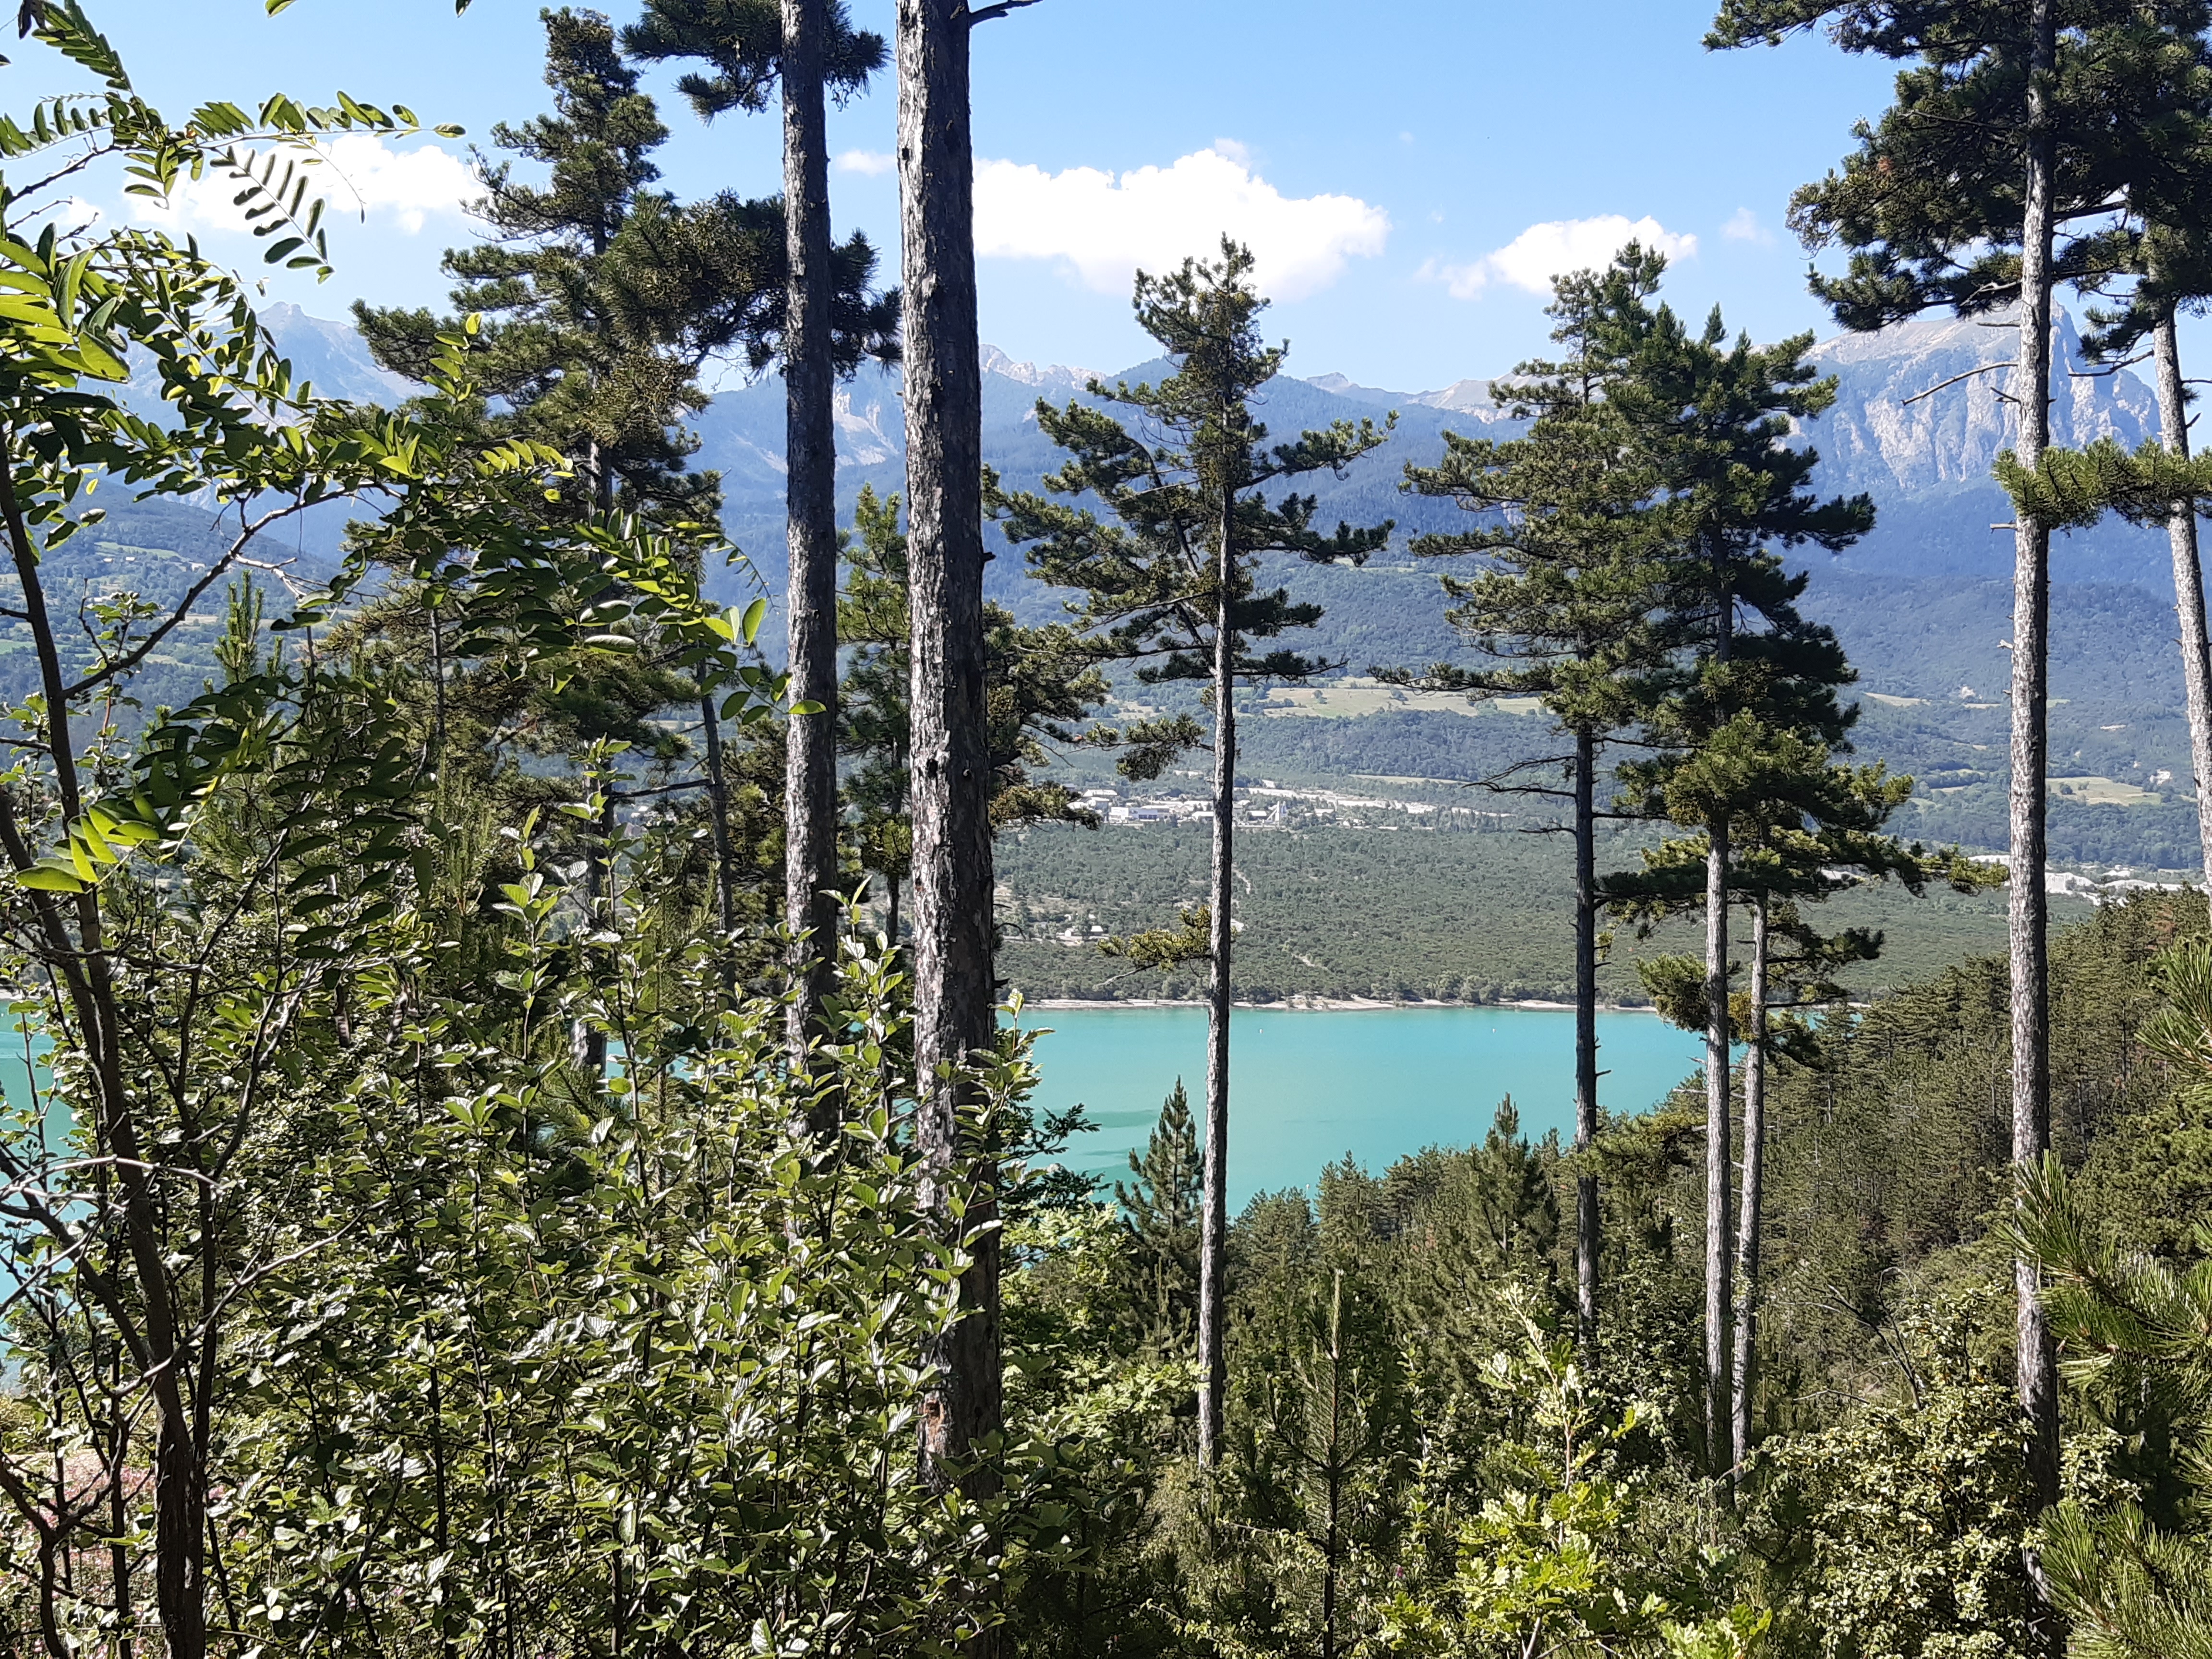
point(1922, 604)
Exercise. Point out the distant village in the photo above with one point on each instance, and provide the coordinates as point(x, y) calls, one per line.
point(1270, 806)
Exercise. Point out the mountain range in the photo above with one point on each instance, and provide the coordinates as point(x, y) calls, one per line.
point(1920, 415)
point(1922, 603)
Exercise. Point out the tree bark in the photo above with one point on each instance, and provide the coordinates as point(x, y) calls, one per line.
point(811, 455)
point(1586, 1211)
point(1213, 1243)
point(2029, 909)
point(1719, 1291)
point(1755, 1169)
point(954, 991)
point(2188, 584)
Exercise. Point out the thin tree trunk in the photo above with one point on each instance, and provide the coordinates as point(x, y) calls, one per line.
point(954, 1001)
point(725, 855)
point(1332, 1553)
point(1719, 1293)
point(1754, 1171)
point(2029, 917)
point(810, 454)
point(2188, 584)
point(1586, 1211)
point(1213, 1243)
point(80, 963)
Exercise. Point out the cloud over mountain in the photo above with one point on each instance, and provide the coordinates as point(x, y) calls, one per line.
point(1555, 248)
point(1107, 227)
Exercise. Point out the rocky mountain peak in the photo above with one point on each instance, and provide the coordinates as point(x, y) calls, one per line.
point(1053, 377)
point(1927, 404)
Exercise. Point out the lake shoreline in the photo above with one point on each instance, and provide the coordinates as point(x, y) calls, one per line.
point(1308, 1092)
point(1325, 1005)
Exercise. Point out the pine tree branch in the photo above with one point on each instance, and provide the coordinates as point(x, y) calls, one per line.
point(1984, 369)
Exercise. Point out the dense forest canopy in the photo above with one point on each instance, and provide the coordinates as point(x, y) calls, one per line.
point(516, 1141)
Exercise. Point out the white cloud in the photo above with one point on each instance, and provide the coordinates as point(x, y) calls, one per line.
point(1744, 226)
point(1108, 227)
point(358, 172)
point(1555, 247)
point(871, 162)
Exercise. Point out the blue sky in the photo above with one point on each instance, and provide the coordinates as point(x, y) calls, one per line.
point(1409, 170)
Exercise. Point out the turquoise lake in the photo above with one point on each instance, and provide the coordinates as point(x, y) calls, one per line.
point(1307, 1086)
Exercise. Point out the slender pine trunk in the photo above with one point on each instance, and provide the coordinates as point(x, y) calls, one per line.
point(2029, 918)
point(1333, 1545)
point(1719, 1254)
point(954, 1000)
point(2188, 584)
point(811, 453)
point(1586, 1211)
point(1719, 1291)
point(1754, 1173)
point(1213, 1247)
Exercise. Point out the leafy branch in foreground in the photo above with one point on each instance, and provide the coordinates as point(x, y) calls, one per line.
point(194, 931)
point(272, 152)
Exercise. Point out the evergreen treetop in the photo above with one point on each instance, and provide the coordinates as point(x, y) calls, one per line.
point(1715, 420)
point(1149, 580)
point(1930, 202)
point(1573, 534)
point(741, 41)
point(1160, 1207)
point(602, 297)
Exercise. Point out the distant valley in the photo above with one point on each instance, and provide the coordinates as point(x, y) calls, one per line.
point(1922, 604)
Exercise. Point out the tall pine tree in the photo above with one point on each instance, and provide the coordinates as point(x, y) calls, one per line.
point(2160, 259)
point(598, 298)
point(1564, 608)
point(1714, 420)
point(1173, 582)
point(955, 982)
point(1985, 184)
point(811, 49)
